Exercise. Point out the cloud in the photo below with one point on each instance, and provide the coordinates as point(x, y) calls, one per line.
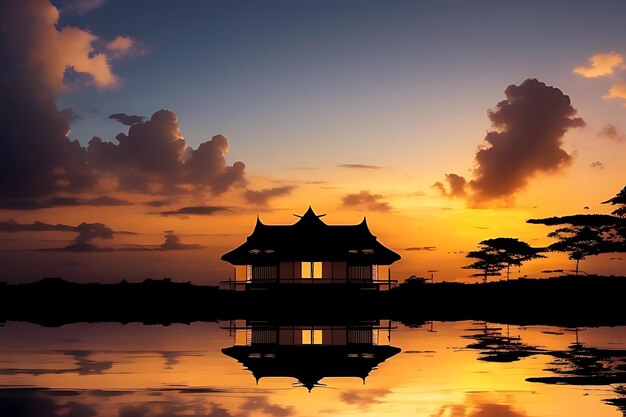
point(617, 91)
point(364, 399)
point(173, 242)
point(125, 119)
point(263, 405)
point(601, 65)
point(610, 131)
point(123, 46)
point(69, 115)
point(79, 7)
point(154, 157)
point(197, 210)
point(38, 160)
point(102, 200)
point(36, 156)
point(421, 248)
point(366, 200)
point(597, 164)
point(11, 226)
point(359, 166)
point(262, 197)
point(455, 186)
point(87, 232)
point(30, 403)
point(529, 126)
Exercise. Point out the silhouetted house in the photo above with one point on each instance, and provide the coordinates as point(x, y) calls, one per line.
point(312, 252)
point(311, 353)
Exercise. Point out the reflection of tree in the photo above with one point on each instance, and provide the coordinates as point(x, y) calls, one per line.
point(620, 401)
point(501, 253)
point(495, 346)
point(587, 365)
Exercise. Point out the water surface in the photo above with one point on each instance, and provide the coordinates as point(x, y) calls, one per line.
point(445, 369)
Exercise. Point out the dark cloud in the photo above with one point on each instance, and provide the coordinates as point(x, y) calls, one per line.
point(102, 200)
point(528, 134)
point(31, 403)
point(364, 399)
point(38, 161)
point(87, 232)
point(262, 404)
point(455, 186)
point(127, 120)
point(609, 131)
point(173, 242)
point(157, 203)
point(197, 210)
point(422, 248)
point(36, 156)
point(359, 166)
point(11, 226)
point(154, 157)
point(366, 200)
point(69, 115)
point(262, 197)
point(597, 164)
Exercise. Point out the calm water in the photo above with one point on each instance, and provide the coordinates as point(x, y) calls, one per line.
point(459, 369)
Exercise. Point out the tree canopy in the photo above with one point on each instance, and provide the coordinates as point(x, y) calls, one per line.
point(500, 253)
point(589, 234)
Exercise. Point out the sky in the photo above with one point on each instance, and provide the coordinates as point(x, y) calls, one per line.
point(141, 139)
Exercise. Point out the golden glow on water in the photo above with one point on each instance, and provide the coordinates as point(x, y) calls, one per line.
point(109, 366)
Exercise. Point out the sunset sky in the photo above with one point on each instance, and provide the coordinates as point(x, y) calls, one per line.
point(445, 123)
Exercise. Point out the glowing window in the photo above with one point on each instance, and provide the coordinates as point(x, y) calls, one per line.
point(311, 270)
point(311, 337)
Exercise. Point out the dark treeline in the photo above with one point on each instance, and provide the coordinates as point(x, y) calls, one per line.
point(563, 301)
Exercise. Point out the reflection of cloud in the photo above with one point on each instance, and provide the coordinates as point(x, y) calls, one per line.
point(262, 197)
point(421, 248)
point(601, 65)
point(366, 200)
point(476, 405)
point(262, 404)
point(28, 403)
point(359, 166)
point(364, 398)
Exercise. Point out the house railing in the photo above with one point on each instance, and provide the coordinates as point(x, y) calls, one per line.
point(240, 285)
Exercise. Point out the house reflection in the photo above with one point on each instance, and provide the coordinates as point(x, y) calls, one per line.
point(310, 352)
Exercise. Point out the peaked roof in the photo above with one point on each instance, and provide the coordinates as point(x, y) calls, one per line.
point(310, 239)
point(311, 363)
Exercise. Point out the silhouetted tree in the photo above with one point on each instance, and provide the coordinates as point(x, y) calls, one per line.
point(589, 234)
point(500, 253)
point(619, 199)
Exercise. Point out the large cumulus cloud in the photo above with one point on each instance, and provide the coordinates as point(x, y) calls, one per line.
point(526, 140)
point(38, 161)
point(154, 157)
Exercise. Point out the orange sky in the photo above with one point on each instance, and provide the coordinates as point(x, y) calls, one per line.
point(346, 124)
